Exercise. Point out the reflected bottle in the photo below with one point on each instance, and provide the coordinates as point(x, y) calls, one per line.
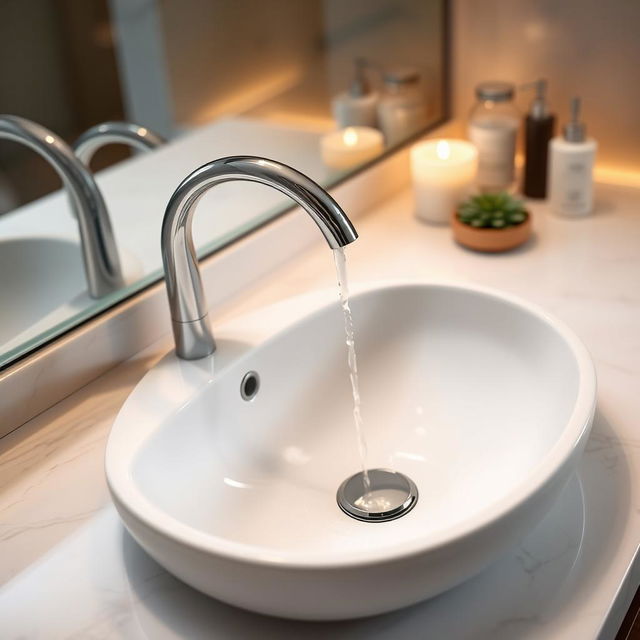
point(493, 128)
point(356, 107)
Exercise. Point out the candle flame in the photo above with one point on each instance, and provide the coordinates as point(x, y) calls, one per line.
point(350, 137)
point(443, 151)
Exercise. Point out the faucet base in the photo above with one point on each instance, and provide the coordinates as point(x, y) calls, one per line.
point(193, 339)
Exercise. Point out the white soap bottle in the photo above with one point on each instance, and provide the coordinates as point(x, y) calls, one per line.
point(571, 160)
point(357, 107)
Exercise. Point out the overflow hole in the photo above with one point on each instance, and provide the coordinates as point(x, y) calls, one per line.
point(250, 385)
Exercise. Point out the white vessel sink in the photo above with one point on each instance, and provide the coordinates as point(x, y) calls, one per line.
point(483, 401)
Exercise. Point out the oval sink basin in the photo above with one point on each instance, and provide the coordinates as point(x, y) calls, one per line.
point(483, 401)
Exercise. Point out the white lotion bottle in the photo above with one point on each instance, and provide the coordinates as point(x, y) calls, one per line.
point(571, 161)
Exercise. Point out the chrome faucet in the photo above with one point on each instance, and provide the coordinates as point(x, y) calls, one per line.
point(99, 253)
point(187, 303)
point(115, 132)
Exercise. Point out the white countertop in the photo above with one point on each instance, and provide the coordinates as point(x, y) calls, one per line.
point(70, 570)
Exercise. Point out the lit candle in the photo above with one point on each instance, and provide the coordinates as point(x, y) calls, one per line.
point(443, 175)
point(351, 146)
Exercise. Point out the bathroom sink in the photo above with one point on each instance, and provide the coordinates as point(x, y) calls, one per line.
point(42, 283)
point(484, 401)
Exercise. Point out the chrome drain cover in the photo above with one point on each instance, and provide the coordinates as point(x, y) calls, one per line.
point(391, 495)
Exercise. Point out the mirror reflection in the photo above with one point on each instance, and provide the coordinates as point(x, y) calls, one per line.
point(110, 104)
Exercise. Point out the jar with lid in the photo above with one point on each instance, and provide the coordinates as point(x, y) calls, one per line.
point(493, 128)
point(402, 110)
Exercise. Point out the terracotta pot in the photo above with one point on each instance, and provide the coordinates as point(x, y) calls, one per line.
point(491, 240)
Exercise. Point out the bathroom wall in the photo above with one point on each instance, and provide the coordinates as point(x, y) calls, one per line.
point(57, 67)
point(588, 48)
point(279, 41)
point(295, 55)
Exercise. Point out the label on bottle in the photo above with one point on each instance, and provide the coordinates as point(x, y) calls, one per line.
point(571, 188)
point(575, 194)
point(495, 139)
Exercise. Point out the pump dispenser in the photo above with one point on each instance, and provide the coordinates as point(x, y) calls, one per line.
point(357, 107)
point(574, 130)
point(539, 129)
point(571, 168)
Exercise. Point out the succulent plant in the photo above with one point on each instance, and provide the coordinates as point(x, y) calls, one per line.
point(492, 211)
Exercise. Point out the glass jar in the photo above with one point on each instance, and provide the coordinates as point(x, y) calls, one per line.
point(493, 128)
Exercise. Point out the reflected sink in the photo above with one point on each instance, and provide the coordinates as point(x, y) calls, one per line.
point(42, 283)
point(31, 267)
point(484, 401)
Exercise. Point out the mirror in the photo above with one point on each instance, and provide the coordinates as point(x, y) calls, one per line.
point(326, 86)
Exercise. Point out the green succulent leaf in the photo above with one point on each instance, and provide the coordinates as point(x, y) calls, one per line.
point(492, 211)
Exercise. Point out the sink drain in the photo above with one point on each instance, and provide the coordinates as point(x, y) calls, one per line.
point(250, 385)
point(391, 495)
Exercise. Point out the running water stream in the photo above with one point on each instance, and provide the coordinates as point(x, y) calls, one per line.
point(386, 494)
point(343, 291)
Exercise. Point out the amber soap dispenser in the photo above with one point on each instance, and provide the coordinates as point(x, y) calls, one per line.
point(539, 129)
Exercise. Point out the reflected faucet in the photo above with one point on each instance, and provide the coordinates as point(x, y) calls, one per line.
point(187, 303)
point(115, 133)
point(99, 253)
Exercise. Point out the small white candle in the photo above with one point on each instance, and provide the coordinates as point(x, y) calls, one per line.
point(443, 175)
point(351, 146)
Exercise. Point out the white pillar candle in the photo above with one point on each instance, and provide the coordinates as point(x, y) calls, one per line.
point(352, 146)
point(443, 175)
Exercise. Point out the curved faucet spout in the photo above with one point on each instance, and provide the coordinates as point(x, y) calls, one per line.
point(188, 307)
point(99, 254)
point(115, 133)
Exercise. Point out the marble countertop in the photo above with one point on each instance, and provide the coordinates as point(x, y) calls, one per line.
point(69, 570)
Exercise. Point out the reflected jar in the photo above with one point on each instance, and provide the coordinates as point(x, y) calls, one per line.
point(402, 110)
point(493, 128)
